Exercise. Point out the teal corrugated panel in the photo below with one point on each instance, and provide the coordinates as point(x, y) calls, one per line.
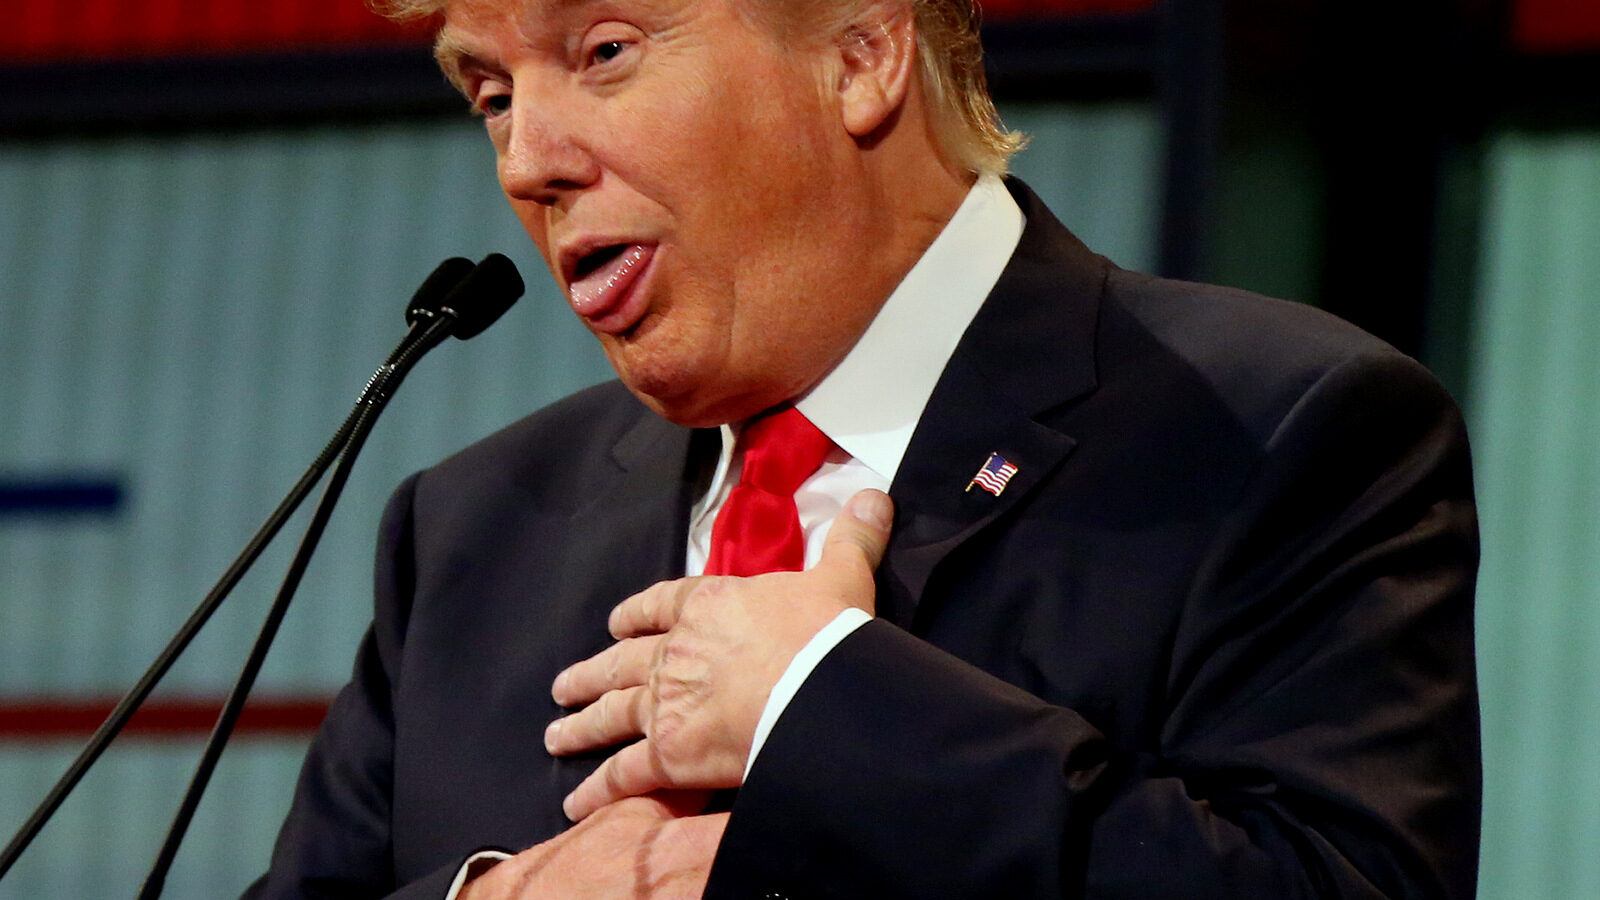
point(1098, 166)
point(108, 834)
point(1535, 414)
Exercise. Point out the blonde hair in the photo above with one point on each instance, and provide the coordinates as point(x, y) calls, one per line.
point(956, 89)
point(949, 54)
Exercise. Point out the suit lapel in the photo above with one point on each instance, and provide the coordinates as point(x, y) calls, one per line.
point(631, 531)
point(1030, 349)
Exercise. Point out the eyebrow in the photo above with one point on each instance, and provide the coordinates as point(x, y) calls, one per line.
point(449, 52)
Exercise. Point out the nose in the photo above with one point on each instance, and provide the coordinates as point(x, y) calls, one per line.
point(545, 158)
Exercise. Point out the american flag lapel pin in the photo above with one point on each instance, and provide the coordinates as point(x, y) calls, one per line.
point(994, 474)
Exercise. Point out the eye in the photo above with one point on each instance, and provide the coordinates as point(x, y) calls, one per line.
point(606, 52)
point(491, 101)
point(496, 104)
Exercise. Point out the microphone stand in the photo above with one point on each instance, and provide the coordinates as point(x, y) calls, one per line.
point(374, 400)
point(478, 299)
point(438, 284)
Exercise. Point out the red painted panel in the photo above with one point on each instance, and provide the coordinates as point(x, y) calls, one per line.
point(76, 718)
point(121, 29)
point(1556, 26)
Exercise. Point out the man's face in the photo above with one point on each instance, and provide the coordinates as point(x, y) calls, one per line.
point(689, 183)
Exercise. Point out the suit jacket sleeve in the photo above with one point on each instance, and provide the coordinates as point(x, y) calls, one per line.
point(1317, 725)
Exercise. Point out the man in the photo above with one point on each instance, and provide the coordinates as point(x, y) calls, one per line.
point(1175, 601)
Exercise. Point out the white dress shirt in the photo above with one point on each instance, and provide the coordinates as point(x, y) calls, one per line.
point(868, 405)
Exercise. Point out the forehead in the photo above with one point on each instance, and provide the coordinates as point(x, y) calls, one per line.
point(487, 31)
point(470, 15)
point(469, 21)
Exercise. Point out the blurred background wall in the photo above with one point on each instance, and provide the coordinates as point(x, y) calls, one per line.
point(212, 212)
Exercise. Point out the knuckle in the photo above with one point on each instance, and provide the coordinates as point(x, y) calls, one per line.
point(606, 713)
point(664, 690)
point(706, 592)
point(675, 649)
point(641, 710)
point(611, 777)
point(664, 738)
point(656, 758)
point(648, 601)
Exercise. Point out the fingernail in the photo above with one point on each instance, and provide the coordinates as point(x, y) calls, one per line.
point(559, 689)
point(873, 508)
point(566, 808)
point(551, 732)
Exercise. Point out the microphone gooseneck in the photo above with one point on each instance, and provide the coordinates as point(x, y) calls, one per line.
point(478, 299)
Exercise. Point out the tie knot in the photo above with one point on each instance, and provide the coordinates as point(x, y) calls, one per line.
point(781, 451)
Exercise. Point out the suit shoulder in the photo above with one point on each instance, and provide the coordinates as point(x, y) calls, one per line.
point(571, 435)
point(1205, 322)
point(1258, 354)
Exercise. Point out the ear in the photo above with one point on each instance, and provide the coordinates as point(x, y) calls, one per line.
point(879, 53)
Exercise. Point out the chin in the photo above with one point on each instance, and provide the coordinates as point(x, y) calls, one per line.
point(669, 395)
point(694, 408)
point(696, 390)
point(681, 411)
point(674, 386)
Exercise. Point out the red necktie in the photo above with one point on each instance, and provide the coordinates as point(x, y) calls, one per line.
point(758, 528)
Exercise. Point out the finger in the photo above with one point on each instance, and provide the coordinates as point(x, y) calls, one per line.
point(651, 611)
point(623, 664)
point(616, 717)
point(632, 771)
point(859, 536)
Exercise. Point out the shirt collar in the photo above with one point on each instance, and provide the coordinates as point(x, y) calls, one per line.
point(870, 402)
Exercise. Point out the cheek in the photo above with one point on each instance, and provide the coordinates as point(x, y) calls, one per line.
point(663, 144)
point(534, 222)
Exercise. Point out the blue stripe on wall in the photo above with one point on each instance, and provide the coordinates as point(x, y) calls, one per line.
point(59, 495)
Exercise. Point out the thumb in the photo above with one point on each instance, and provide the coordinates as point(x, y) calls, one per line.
point(861, 532)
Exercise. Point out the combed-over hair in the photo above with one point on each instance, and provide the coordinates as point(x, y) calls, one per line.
point(949, 55)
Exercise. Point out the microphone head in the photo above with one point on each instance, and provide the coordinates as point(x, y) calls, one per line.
point(483, 295)
point(430, 295)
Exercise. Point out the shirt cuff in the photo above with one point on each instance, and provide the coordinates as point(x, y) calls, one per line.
point(476, 864)
point(799, 670)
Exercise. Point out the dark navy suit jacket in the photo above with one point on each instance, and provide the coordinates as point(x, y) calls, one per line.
point(1214, 638)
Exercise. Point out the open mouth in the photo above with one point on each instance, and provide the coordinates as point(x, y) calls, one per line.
point(601, 285)
point(594, 260)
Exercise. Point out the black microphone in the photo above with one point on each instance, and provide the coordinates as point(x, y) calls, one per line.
point(473, 295)
point(472, 303)
point(496, 288)
point(482, 296)
point(440, 282)
point(476, 301)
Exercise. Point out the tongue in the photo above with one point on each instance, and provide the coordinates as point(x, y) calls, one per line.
point(597, 292)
